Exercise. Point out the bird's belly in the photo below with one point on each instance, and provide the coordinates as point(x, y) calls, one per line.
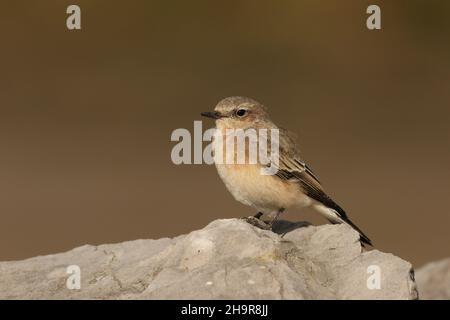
point(266, 193)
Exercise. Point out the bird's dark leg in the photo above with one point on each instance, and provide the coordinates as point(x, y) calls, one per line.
point(276, 217)
point(258, 215)
point(255, 221)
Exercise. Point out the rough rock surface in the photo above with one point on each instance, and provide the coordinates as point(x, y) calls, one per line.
point(433, 280)
point(228, 259)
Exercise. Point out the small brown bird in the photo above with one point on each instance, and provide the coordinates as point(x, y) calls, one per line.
point(294, 185)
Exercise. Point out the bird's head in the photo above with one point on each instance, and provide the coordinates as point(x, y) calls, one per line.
point(237, 112)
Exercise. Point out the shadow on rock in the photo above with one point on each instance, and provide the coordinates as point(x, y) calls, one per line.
point(284, 226)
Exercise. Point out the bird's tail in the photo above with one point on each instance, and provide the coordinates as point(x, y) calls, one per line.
point(337, 215)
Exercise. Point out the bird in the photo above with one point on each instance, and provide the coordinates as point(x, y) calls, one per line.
point(293, 186)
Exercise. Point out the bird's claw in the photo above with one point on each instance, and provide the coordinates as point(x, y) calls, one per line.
point(257, 223)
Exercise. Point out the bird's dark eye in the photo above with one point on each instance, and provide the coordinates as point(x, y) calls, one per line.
point(241, 112)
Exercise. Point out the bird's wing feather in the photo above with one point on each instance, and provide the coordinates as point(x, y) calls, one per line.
point(292, 167)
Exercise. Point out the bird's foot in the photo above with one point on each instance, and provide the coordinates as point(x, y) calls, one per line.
point(254, 221)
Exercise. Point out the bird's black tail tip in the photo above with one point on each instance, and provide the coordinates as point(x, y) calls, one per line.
point(362, 237)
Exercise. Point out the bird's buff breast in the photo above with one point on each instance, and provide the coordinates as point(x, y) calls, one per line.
point(266, 193)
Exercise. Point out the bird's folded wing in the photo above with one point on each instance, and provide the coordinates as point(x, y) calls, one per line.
point(292, 167)
point(290, 164)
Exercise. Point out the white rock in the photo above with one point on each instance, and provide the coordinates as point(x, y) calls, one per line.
point(433, 280)
point(228, 259)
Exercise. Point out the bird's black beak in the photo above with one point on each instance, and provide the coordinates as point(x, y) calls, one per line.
point(213, 115)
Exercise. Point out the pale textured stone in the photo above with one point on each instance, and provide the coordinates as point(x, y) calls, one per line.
point(228, 259)
point(433, 280)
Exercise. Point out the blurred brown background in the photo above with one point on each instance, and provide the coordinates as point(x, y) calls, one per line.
point(86, 116)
